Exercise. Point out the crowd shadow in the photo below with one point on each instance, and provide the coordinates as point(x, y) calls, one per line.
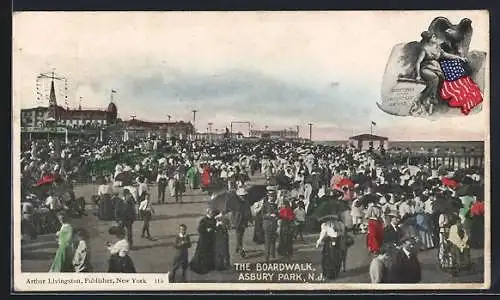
point(184, 202)
point(169, 217)
point(156, 245)
point(171, 236)
point(250, 254)
point(42, 245)
point(39, 255)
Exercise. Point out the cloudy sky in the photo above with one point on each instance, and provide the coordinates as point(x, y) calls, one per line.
point(279, 70)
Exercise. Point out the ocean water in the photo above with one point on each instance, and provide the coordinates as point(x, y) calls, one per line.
point(443, 145)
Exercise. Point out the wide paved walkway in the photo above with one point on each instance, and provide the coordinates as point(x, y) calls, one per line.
point(155, 256)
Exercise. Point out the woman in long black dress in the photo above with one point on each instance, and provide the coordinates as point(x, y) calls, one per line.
point(331, 258)
point(203, 259)
point(222, 256)
point(258, 233)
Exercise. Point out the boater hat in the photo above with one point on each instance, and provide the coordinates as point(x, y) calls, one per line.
point(241, 192)
point(271, 189)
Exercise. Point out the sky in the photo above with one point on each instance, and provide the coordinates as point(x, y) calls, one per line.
point(274, 69)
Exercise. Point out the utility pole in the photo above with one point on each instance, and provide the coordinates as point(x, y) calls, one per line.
point(194, 119)
point(310, 131)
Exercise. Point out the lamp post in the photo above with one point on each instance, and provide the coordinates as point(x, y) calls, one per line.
point(194, 111)
point(310, 131)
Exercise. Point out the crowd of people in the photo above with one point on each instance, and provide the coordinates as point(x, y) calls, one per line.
point(402, 206)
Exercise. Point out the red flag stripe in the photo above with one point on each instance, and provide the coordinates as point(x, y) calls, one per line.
point(462, 93)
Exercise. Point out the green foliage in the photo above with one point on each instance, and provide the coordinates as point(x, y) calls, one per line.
point(108, 165)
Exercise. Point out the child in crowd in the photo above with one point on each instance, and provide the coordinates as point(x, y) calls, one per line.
point(146, 211)
point(300, 219)
point(81, 258)
point(182, 244)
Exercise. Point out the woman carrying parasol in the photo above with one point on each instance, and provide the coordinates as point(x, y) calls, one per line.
point(334, 247)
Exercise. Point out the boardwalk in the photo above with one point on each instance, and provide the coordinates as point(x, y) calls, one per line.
point(154, 256)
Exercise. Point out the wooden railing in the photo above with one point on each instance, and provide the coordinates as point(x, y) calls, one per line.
point(455, 161)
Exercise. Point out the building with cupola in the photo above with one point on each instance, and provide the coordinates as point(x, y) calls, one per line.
point(54, 114)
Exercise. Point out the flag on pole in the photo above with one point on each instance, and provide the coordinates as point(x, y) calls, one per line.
point(374, 124)
point(458, 88)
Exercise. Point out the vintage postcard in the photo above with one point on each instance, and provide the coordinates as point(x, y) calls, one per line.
point(163, 151)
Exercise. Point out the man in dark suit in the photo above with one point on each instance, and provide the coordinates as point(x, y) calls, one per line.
point(392, 232)
point(181, 245)
point(405, 267)
point(125, 214)
point(270, 223)
point(240, 221)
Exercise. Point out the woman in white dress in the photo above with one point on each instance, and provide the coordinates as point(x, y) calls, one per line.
point(334, 248)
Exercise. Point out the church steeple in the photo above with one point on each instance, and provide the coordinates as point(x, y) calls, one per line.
point(52, 96)
point(52, 112)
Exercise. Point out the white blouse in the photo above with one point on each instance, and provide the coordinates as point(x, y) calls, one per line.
point(121, 247)
point(330, 229)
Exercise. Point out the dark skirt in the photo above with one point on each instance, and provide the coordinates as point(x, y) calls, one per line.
point(180, 186)
point(203, 260)
point(121, 264)
point(221, 253)
point(477, 232)
point(258, 233)
point(106, 208)
point(285, 244)
point(330, 259)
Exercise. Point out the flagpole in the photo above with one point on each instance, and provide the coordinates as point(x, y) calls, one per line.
point(371, 128)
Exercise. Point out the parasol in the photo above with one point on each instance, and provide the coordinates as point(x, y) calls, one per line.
point(46, 179)
point(256, 193)
point(125, 178)
point(360, 179)
point(329, 217)
point(344, 182)
point(429, 183)
point(468, 190)
point(477, 209)
point(369, 198)
point(382, 188)
point(226, 201)
point(446, 206)
point(330, 207)
point(396, 189)
point(448, 182)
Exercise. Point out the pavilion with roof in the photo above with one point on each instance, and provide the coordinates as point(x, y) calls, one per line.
point(365, 141)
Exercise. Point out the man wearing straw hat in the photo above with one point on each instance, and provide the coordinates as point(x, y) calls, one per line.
point(392, 232)
point(405, 267)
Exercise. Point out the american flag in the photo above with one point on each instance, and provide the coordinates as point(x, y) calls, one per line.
point(458, 88)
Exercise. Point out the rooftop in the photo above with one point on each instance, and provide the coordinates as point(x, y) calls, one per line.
point(368, 137)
